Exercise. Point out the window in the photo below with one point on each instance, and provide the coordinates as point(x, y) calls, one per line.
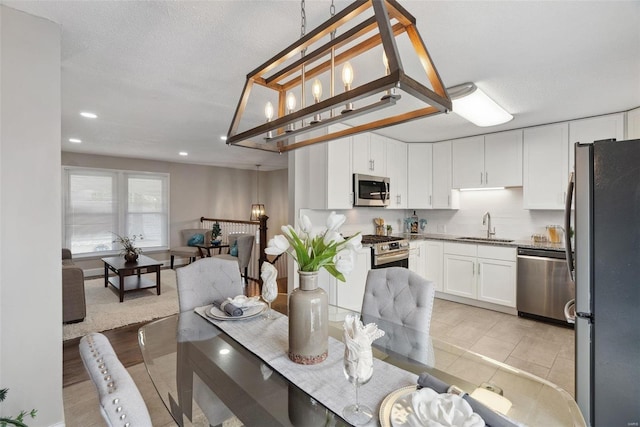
point(100, 202)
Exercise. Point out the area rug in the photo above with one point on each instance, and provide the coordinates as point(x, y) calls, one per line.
point(105, 311)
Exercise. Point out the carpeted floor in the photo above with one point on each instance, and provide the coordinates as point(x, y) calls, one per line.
point(105, 311)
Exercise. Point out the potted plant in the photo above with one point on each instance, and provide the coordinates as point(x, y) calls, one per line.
point(19, 420)
point(129, 249)
point(215, 232)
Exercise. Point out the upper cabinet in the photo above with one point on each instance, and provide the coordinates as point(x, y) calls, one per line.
point(633, 124)
point(328, 166)
point(545, 166)
point(493, 160)
point(592, 129)
point(368, 154)
point(444, 197)
point(396, 167)
point(419, 177)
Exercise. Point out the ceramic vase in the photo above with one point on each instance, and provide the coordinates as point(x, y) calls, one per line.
point(130, 257)
point(308, 321)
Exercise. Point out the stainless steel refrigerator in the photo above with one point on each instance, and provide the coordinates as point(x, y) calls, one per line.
point(607, 275)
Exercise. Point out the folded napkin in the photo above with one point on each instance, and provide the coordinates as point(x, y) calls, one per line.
point(443, 409)
point(357, 350)
point(269, 284)
point(490, 417)
point(227, 307)
point(243, 301)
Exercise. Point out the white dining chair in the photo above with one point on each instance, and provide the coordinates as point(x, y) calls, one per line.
point(121, 403)
point(403, 301)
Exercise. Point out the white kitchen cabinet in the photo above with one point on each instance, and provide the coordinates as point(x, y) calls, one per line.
point(444, 196)
point(633, 124)
point(592, 129)
point(419, 176)
point(433, 249)
point(545, 166)
point(468, 162)
point(368, 154)
point(417, 257)
point(482, 272)
point(492, 160)
point(503, 159)
point(350, 293)
point(396, 158)
point(330, 180)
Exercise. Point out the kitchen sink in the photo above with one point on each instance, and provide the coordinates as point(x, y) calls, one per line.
point(485, 239)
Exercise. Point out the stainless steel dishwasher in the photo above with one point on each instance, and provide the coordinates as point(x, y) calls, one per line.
point(544, 285)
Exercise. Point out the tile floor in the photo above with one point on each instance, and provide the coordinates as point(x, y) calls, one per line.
point(539, 348)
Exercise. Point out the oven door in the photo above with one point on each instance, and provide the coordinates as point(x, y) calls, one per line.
point(393, 259)
point(370, 190)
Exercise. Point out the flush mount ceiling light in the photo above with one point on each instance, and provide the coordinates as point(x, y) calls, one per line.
point(89, 115)
point(474, 105)
point(295, 92)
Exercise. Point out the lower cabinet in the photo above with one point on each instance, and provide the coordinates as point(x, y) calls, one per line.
point(425, 259)
point(481, 272)
point(349, 294)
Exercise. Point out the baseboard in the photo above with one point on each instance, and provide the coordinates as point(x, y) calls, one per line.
point(477, 303)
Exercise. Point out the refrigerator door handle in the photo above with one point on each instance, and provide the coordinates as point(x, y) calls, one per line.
point(567, 227)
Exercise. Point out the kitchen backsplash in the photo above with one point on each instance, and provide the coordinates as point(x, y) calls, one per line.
point(505, 207)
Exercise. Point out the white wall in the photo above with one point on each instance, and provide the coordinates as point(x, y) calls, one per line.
point(30, 274)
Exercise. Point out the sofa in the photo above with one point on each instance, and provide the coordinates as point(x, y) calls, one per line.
point(74, 307)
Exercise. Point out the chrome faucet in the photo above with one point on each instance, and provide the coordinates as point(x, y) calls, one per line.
point(486, 220)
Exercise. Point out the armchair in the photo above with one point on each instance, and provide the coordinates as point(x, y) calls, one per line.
point(73, 300)
point(184, 250)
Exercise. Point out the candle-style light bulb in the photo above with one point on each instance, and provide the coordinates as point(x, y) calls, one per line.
point(268, 113)
point(316, 91)
point(291, 106)
point(389, 93)
point(347, 79)
point(385, 61)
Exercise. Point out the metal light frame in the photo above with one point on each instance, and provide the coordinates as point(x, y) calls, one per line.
point(385, 11)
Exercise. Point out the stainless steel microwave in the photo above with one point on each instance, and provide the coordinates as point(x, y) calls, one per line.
point(370, 190)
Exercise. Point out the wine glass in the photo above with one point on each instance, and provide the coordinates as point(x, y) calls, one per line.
point(269, 294)
point(356, 413)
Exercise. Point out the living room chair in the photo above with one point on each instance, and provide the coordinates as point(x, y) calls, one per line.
point(74, 306)
point(186, 251)
point(245, 243)
point(121, 403)
point(403, 301)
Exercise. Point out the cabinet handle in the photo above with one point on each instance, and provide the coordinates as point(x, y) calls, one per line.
point(429, 200)
point(448, 200)
point(478, 269)
point(398, 199)
point(480, 177)
point(473, 268)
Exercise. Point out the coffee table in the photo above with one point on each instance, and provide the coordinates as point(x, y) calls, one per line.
point(128, 274)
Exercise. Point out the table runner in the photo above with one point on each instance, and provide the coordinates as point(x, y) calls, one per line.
point(325, 382)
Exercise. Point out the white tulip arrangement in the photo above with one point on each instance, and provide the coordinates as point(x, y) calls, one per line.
point(327, 249)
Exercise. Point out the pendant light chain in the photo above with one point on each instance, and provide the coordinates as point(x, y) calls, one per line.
point(303, 19)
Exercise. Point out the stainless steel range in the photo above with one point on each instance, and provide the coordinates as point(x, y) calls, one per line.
point(387, 251)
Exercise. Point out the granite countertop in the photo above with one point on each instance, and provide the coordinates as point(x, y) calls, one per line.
point(529, 244)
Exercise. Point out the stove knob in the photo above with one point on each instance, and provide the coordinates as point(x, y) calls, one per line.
point(384, 247)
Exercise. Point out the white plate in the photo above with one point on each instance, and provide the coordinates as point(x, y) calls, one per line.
point(247, 313)
point(394, 405)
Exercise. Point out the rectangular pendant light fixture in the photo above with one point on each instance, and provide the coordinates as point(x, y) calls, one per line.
point(282, 105)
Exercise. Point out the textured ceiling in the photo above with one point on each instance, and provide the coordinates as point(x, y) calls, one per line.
point(166, 76)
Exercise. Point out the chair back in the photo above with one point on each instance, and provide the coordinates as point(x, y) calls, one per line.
point(120, 400)
point(245, 244)
point(403, 300)
point(206, 280)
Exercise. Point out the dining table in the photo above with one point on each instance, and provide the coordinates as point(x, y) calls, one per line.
point(207, 370)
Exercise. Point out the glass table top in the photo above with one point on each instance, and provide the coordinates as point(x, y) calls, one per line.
point(204, 377)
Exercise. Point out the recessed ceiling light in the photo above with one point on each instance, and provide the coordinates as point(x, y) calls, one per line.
point(223, 137)
point(183, 153)
point(88, 115)
point(75, 140)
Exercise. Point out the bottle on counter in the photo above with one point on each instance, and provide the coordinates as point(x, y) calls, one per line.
point(414, 223)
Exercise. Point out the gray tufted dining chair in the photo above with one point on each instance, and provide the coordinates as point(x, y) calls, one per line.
point(121, 403)
point(401, 302)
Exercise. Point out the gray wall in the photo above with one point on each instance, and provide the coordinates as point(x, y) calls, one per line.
point(197, 190)
point(30, 269)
